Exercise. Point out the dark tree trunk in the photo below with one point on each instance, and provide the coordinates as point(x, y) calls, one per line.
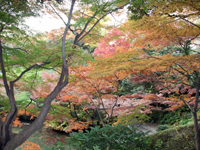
point(196, 126)
point(75, 112)
point(197, 131)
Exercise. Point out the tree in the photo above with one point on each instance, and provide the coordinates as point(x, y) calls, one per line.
point(100, 9)
point(175, 71)
point(84, 96)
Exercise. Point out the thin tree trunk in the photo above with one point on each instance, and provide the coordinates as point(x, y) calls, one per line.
point(100, 117)
point(196, 126)
point(87, 112)
point(197, 133)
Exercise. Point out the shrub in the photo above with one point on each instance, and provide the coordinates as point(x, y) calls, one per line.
point(180, 116)
point(115, 137)
point(176, 138)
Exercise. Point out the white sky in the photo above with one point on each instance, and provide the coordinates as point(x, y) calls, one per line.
point(46, 23)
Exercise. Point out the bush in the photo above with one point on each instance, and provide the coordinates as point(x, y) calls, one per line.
point(171, 117)
point(176, 138)
point(127, 86)
point(115, 137)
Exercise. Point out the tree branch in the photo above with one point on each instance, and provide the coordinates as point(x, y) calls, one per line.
point(3, 71)
point(57, 14)
point(22, 49)
point(28, 69)
point(63, 44)
point(197, 95)
point(102, 18)
point(32, 100)
point(183, 18)
point(2, 27)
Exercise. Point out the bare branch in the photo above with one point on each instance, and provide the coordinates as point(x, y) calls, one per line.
point(28, 69)
point(187, 103)
point(57, 14)
point(184, 18)
point(102, 18)
point(115, 101)
point(116, 19)
point(22, 49)
point(32, 100)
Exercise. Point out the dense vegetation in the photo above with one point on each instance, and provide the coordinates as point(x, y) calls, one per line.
point(99, 80)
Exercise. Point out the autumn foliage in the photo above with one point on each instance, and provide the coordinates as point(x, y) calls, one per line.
point(157, 53)
point(29, 145)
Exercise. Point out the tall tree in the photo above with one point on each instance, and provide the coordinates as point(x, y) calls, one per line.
point(169, 23)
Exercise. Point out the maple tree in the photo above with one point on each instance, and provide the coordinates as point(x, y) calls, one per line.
point(85, 94)
point(89, 96)
point(149, 59)
point(179, 75)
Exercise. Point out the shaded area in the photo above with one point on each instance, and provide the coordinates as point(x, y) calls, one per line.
point(44, 138)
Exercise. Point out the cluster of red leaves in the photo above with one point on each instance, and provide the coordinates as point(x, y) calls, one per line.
point(141, 78)
point(109, 44)
point(178, 88)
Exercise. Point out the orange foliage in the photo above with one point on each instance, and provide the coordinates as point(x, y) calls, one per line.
point(24, 112)
point(151, 97)
point(30, 146)
point(77, 125)
point(133, 96)
point(16, 122)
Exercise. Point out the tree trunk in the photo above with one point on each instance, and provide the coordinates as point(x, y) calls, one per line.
point(196, 126)
point(15, 140)
point(197, 131)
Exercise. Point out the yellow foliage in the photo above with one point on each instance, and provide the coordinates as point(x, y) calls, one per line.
point(172, 22)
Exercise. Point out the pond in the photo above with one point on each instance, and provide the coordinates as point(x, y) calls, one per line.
point(45, 138)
